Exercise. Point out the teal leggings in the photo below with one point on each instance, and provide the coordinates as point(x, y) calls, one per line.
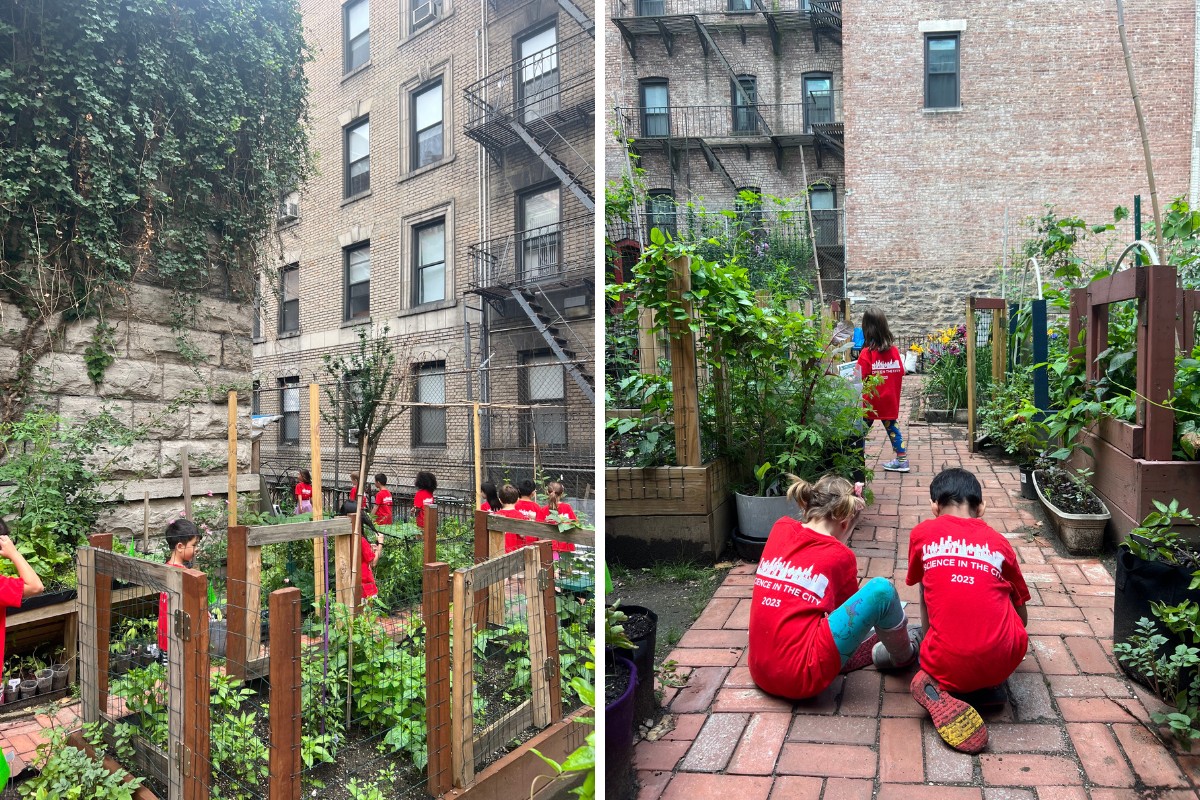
point(876, 604)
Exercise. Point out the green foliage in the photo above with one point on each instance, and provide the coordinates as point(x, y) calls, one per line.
point(1165, 673)
point(99, 352)
point(68, 773)
point(1012, 420)
point(144, 690)
point(1156, 540)
point(614, 627)
point(366, 388)
point(582, 760)
point(237, 752)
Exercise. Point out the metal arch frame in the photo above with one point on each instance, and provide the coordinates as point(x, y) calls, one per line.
point(1144, 245)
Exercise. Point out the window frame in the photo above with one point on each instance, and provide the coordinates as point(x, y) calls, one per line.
point(751, 110)
point(531, 104)
point(643, 84)
point(956, 37)
point(347, 285)
point(415, 132)
point(536, 358)
point(285, 301)
point(290, 383)
point(347, 164)
point(418, 267)
point(420, 412)
point(808, 112)
point(347, 42)
point(652, 214)
point(522, 197)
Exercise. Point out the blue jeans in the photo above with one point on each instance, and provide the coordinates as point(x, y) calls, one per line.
point(893, 432)
point(876, 604)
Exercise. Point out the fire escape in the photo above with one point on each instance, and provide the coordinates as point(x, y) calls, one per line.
point(534, 105)
point(749, 122)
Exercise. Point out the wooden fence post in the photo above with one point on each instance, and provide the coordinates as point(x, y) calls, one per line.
point(550, 610)
point(430, 531)
point(233, 459)
point(462, 686)
point(537, 637)
point(489, 601)
point(314, 447)
point(285, 710)
point(999, 345)
point(237, 620)
point(1156, 361)
point(91, 667)
point(103, 601)
point(970, 374)
point(683, 373)
point(186, 470)
point(435, 607)
point(195, 743)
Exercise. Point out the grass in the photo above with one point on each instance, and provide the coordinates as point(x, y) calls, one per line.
point(680, 572)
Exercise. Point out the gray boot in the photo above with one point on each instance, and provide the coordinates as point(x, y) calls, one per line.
point(897, 648)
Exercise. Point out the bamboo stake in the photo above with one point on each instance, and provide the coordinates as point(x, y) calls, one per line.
point(478, 443)
point(314, 446)
point(1141, 118)
point(231, 501)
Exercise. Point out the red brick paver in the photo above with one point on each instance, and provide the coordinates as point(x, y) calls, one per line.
point(1075, 729)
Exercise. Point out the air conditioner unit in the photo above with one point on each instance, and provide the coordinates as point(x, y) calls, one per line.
point(426, 12)
point(289, 210)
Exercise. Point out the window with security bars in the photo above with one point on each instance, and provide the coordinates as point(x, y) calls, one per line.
point(255, 398)
point(358, 282)
point(289, 402)
point(540, 233)
point(427, 125)
point(538, 70)
point(822, 200)
point(289, 299)
point(660, 210)
point(429, 424)
point(941, 71)
point(356, 22)
point(430, 279)
point(358, 158)
point(544, 388)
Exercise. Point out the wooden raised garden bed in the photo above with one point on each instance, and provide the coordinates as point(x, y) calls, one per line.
point(668, 512)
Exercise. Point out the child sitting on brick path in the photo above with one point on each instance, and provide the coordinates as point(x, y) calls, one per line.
point(809, 620)
point(973, 597)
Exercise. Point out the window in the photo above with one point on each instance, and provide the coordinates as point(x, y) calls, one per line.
point(651, 8)
point(823, 201)
point(356, 22)
point(544, 387)
point(256, 333)
point(358, 282)
point(430, 251)
point(424, 12)
point(358, 158)
point(539, 218)
point(427, 125)
point(289, 299)
point(538, 86)
point(289, 428)
point(660, 210)
point(429, 424)
point(941, 71)
point(352, 407)
point(656, 113)
point(748, 206)
point(818, 99)
point(740, 5)
point(745, 113)
point(255, 398)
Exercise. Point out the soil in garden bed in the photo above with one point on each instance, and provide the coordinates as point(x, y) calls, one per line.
point(1066, 494)
point(616, 680)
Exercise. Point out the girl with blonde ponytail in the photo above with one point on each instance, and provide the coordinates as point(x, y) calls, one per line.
point(809, 619)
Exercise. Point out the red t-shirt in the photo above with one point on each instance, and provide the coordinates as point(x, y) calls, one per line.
point(885, 401)
point(515, 541)
point(383, 507)
point(802, 577)
point(12, 592)
point(369, 589)
point(163, 613)
point(419, 505)
point(564, 511)
point(485, 506)
point(529, 509)
point(303, 492)
point(971, 580)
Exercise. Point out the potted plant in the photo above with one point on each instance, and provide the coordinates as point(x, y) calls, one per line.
point(1154, 567)
point(1075, 512)
point(620, 684)
point(641, 628)
point(1015, 424)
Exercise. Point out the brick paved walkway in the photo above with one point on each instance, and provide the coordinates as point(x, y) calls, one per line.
point(1075, 729)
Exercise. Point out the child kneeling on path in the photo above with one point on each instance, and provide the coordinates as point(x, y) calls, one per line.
point(809, 620)
point(973, 596)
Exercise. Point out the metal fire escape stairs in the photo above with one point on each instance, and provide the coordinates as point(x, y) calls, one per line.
point(576, 13)
point(555, 165)
point(553, 335)
point(825, 17)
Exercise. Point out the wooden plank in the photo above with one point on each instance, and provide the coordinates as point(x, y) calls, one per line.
point(521, 766)
point(683, 371)
point(999, 344)
point(231, 490)
point(170, 488)
point(89, 649)
point(550, 614)
point(435, 608)
point(253, 603)
point(1189, 307)
point(187, 482)
point(1078, 318)
point(1127, 284)
point(989, 303)
point(488, 603)
point(285, 763)
point(537, 638)
point(1128, 438)
point(145, 522)
point(430, 534)
point(71, 644)
point(542, 530)
point(135, 570)
point(495, 736)
point(462, 686)
point(102, 581)
point(971, 389)
point(260, 535)
point(237, 619)
point(196, 721)
point(342, 571)
point(477, 445)
point(497, 570)
point(1156, 362)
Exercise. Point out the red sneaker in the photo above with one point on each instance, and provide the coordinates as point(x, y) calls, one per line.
point(862, 656)
point(959, 724)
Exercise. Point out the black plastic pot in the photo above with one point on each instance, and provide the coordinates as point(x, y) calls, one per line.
point(619, 729)
point(44, 599)
point(748, 548)
point(644, 705)
point(28, 688)
point(1027, 490)
point(1140, 583)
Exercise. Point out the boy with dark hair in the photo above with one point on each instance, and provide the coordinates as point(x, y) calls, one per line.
point(182, 538)
point(526, 503)
point(510, 498)
point(14, 590)
point(383, 501)
point(973, 599)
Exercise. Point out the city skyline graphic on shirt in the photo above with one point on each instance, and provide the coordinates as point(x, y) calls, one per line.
point(779, 570)
point(957, 548)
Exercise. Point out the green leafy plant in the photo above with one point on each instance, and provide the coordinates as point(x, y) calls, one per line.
point(583, 759)
point(1155, 539)
point(1165, 674)
point(1011, 419)
point(66, 771)
point(237, 752)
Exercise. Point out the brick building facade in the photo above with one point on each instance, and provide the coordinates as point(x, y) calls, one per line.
point(1030, 106)
point(407, 223)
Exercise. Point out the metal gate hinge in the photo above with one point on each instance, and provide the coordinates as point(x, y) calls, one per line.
point(550, 668)
point(183, 626)
point(543, 579)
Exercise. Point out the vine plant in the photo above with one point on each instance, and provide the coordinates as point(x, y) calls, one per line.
point(143, 141)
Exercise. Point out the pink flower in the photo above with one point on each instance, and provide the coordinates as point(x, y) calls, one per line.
point(210, 494)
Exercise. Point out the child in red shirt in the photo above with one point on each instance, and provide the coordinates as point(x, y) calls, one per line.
point(554, 505)
point(182, 537)
point(369, 553)
point(426, 484)
point(509, 496)
point(880, 357)
point(304, 491)
point(809, 620)
point(383, 501)
point(14, 590)
point(973, 596)
point(492, 503)
point(525, 503)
